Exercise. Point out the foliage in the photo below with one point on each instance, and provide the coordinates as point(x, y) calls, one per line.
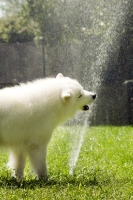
point(13, 31)
point(104, 169)
point(15, 26)
point(57, 20)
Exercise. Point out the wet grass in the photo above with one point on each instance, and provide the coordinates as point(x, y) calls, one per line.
point(104, 169)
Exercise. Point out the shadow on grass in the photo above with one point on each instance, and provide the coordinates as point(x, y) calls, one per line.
point(84, 178)
point(63, 181)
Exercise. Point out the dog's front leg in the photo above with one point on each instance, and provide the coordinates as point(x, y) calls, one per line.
point(37, 157)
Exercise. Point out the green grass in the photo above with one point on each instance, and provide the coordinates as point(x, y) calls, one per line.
point(104, 169)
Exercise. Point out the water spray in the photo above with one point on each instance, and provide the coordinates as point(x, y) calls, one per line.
point(76, 148)
point(105, 49)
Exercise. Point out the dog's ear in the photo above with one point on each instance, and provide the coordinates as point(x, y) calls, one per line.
point(59, 75)
point(65, 96)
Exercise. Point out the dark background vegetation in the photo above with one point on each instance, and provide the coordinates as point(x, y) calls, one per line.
point(91, 41)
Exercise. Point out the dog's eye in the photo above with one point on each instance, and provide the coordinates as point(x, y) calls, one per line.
point(80, 96)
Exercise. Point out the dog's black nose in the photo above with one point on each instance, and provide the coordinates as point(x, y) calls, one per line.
point(94, 96)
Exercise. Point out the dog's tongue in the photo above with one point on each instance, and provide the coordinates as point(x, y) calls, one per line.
point(86, 107)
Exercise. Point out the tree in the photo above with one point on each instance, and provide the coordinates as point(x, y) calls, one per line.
point(47, 16)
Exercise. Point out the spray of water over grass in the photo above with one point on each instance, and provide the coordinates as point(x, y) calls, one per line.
point(108, 46)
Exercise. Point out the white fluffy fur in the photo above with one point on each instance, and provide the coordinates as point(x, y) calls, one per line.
point(30, 112)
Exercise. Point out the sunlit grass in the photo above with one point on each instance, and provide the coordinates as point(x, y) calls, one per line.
point(104, 169)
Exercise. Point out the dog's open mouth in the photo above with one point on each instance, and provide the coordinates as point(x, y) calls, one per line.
point(86, 107)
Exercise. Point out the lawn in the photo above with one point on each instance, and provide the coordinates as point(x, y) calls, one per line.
point(104, 169)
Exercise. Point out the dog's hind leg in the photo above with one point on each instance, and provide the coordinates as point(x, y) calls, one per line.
point(17, 163)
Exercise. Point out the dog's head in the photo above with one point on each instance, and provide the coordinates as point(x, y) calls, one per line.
point(74, 95)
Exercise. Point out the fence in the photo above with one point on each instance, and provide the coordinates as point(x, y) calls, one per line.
point(22, 62)
point(114, 106)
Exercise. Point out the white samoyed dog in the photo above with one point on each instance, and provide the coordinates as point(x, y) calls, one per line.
point(30, 112)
